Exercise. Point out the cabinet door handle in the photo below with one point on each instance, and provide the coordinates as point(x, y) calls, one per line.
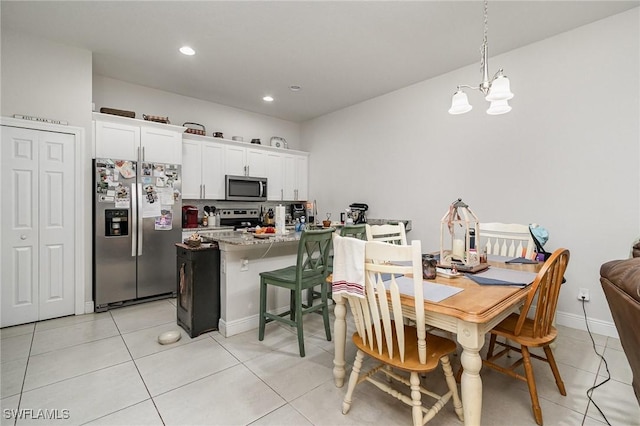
point(143, 153)
point(23, 237)
point(204, 191)
point(282, 194)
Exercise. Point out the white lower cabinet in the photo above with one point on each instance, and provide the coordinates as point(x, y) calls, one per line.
point(202, 169)
point(39, 224)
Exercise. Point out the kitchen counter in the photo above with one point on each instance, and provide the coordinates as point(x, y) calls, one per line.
point(208, 228)
point(239, 238)
point(201, 247)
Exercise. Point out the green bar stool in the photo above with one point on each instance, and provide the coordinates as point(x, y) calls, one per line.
point(310, 270)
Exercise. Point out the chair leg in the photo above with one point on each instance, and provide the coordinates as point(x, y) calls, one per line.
point(292, 303)
point(416, 399)
point(310, 297)
point(531, 382)
point(298, 309)
point(492, 345)
point(325, 311)
point(554, 368)
point(453, 387)
point(263, 308)
point(353, 381)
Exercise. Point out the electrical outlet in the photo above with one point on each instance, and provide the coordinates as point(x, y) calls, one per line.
point(583, 293)
point(244, 265)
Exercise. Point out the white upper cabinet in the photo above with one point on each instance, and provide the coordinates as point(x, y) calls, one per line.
point(241, 161)
point(161, 145)
point(115, 140)
point(206, 161)
point(130, 139)
point(275, 176)
point(202, 169)
point(295, 178)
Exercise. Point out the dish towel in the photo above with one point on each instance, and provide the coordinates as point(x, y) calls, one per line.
point(348, 266)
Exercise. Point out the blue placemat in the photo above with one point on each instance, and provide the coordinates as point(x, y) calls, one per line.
point(500, 276)
point(522, 260)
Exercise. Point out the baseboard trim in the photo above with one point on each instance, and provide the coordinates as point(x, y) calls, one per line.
point(228, 329)
point(88, 307)
point(605, 328)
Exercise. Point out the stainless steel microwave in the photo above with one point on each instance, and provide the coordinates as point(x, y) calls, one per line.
point(245, 188)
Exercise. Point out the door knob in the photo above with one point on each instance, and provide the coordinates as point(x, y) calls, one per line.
point(23, 237)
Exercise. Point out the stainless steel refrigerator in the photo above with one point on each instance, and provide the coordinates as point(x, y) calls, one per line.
point(137, 221)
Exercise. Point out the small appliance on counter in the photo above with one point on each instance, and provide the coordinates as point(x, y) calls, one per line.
point(189, 217)
point(297, 211)
point(358, 211)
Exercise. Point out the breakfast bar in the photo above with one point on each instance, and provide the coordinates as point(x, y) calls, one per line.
point(242, 257)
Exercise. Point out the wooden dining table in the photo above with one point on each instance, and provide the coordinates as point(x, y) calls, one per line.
point(470, 314)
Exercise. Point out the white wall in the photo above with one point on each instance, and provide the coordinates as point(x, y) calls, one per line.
point(566, 157)
point(111, 93)
point(50, 80)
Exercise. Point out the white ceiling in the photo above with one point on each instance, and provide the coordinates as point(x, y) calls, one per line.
point(341, 53)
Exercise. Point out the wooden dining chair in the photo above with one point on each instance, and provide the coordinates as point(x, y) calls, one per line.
point(354, 231)
point(506, 239)
point(534, 332)
point(309, 271)
point(403, 353)
point(387, 233)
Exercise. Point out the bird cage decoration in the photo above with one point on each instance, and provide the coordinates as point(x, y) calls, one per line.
point(462, 226)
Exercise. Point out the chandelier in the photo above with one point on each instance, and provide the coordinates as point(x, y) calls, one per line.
point(496, 89)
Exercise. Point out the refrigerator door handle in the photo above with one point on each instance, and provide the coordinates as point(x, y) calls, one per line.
point(134, 220)
point(139, 221)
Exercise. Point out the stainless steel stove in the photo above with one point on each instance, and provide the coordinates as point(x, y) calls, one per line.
point(239, 217)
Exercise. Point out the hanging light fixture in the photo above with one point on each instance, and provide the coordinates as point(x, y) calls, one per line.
point(496, 90)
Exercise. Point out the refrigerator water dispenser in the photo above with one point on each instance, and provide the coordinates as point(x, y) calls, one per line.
point(116, 222)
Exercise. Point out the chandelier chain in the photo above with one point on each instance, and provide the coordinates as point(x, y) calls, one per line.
point(486, 30)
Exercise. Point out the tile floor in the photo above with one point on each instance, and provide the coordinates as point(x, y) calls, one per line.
point(108, 369)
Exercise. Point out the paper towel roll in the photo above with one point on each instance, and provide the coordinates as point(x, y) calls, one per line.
point(280, 219)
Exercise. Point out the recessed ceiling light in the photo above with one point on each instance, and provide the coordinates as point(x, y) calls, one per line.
point(186, 50)
point(268, 98)
point(295, 88)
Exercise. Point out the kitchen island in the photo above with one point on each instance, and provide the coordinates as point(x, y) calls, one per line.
point(242, 258)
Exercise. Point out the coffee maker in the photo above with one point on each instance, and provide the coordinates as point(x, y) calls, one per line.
point(189, 217)
point(297, 211)
point(358, 211)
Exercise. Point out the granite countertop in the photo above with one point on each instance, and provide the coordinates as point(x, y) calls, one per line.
point(208, 228)
point(240, 238)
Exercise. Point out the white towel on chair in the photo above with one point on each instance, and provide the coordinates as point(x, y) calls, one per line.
point(348, 266)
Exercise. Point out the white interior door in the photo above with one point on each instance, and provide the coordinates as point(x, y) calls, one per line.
point(19, 226)
point(37, 225)
point(56, 208)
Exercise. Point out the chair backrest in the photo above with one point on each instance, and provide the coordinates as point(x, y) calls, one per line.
point(387, 233)
point(378, 316)
point(313, 254)
point(546, 287)
point(506, 239)
point(354, 231)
